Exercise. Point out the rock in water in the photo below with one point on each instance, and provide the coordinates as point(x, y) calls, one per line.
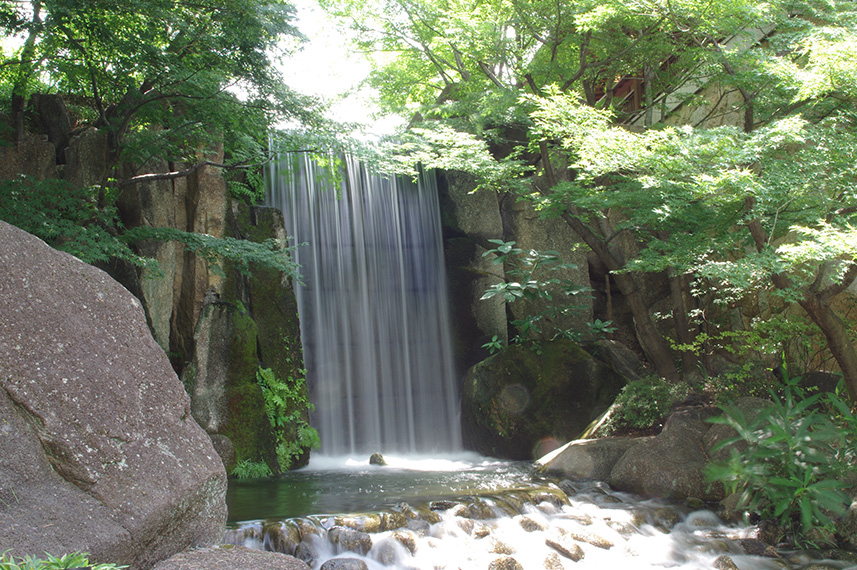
point(98, 450)
point(377, 459)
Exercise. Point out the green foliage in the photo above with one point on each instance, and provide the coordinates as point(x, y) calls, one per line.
point(795, 458)
point(643, 403)
point(493, 345)
point(49, 562)
point(286, 404)
point(580, 93)
point(246, 469)
point(244, 254)
point(67, 218)
point(529, 276)
point(164, 78)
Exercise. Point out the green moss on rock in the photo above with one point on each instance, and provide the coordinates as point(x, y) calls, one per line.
point(518, 398)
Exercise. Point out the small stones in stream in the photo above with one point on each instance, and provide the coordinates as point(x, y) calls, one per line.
point(725, 563)
point(582, 534)
point(564, 545)
point(552, 562)
point(529, 524)
point(505, 563)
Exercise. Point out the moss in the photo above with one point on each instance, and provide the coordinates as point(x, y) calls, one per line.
point(271, 305)
point(518, 397)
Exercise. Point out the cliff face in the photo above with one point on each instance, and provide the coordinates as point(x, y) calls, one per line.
point(174, 295)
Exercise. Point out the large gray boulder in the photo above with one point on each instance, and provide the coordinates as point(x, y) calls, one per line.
point(98, 449)
point(231, 558)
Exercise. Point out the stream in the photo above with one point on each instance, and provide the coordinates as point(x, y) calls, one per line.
point(472, 512)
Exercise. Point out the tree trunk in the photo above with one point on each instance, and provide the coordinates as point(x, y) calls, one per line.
point(816, 303)
point(650, 339)
point(836, 333)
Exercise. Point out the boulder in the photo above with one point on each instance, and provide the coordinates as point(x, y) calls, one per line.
point(588, 459)
point(231, 558)
point(98, 449)
point(518, 397)
point(670, 465)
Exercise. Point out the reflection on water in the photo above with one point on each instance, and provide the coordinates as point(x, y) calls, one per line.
point(346, 485)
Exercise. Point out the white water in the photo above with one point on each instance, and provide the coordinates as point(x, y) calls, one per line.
point(374, 316)
point(532, 523)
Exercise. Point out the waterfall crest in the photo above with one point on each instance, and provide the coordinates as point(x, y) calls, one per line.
point(373, 306)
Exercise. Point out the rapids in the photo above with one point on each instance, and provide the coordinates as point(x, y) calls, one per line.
point(481, 514)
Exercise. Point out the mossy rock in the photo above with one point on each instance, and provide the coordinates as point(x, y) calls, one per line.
point(523, 396)
point(269, 298)
point(225, 397)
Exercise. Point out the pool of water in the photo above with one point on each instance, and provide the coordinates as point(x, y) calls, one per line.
point(333, 485)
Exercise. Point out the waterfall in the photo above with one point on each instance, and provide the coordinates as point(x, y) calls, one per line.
point(373, 306)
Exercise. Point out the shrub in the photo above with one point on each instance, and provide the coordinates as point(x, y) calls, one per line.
point(246, 469)
point(643, 403)
point(796, 455)
point(286, 402)
point(73, 560)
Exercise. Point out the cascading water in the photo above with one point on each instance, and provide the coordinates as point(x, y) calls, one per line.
point(373, 306)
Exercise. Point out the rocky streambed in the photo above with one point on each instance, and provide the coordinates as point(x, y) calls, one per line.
point(538, 524)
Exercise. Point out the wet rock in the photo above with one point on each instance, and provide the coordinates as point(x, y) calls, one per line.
point(564, 544)
point(529, 524)
point(583, 534)
point(388, 551)
point(725, 563)
point(281, 537)
point(344, 564)
point(393, 520)
point(670, 465)
point(349, 539)
point(588, 459)
point(307, 552)
point(230, 557)
point(419, 526)
point(556, 497)
point(406, 539)
point(442, 505)
point(481, 530)
point(480, 510)
point(467, 525)
point(500, 547)
point(505, 563)
point(758, 548)
point(516, 398)
point(377, 459)
point(370, 523)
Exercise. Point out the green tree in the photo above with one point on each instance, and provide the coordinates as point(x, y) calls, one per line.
point(163, 78)
point(581, 93)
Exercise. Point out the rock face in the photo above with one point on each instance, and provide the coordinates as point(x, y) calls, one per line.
point(517, 398)
point(97, 443)
point(252, 323)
